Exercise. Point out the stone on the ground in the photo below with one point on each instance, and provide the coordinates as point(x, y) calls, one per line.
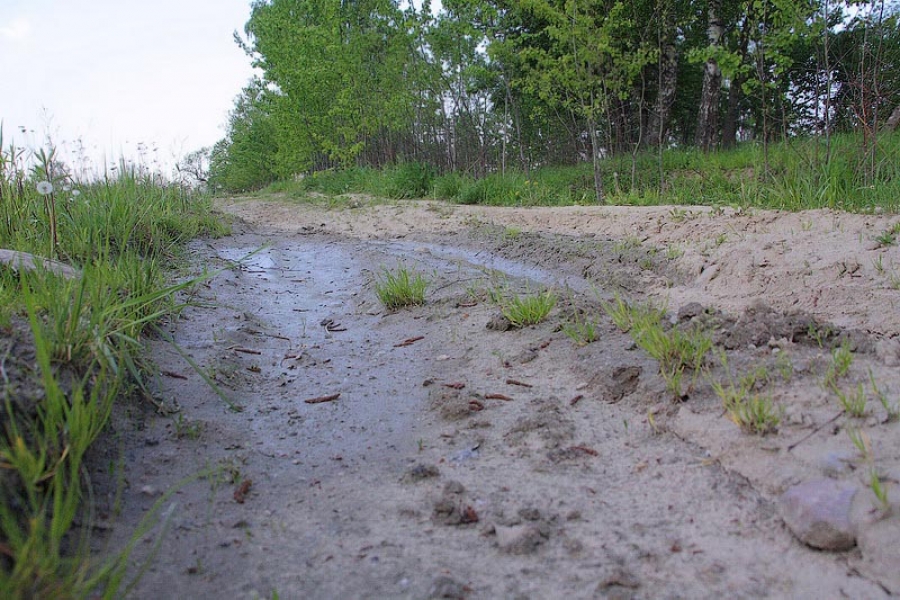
point(818, 512)
point(29, 262)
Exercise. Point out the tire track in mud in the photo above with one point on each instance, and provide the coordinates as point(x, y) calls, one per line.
point(420, 479)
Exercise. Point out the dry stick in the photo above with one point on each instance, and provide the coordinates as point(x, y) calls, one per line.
point(497, 397)
point(814, 431)
point(173, 374)
point(575, 400)
point(517, 382)
point(320, 399)
point(245, 350)
point(409, 341)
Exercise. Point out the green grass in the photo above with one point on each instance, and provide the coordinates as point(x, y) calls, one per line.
point(796, 176)
point(402, 287)
point(121, 233)
point(676, 351)
point(531, 309)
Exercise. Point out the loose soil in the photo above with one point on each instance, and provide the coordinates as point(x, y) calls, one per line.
point(346, 451)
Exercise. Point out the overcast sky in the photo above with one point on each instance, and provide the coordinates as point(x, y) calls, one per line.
point(116, 73)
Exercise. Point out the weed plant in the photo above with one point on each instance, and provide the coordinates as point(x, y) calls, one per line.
point(527, 310)
point(674, 349)
point(752, 412)
point(581, 330)
point(400, 288)
point(119, 232)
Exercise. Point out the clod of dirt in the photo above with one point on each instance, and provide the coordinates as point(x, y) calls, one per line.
point(447, 588)
point(499, 323)
point(689, 311)
point(818, 512)
point(618, 584)
point(451, 508)
point(420, 472)
point(547, 420)
point(452, 404)
point(617, 382)
point(521, 539)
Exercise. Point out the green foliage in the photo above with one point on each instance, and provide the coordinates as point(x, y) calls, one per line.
point(401, 288)
point(531, 309)
point(409, 180)
point(752, 412)
point(675, 350)
point(723, 178)
point(581, 330)
point(87, 331)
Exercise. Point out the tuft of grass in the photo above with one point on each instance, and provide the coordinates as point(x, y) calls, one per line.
point(841, 361)
point(401, 288)
point(853, 402)
point(528, 310)
point(581, 330)
point(675, 350)
point(755, 414)
point(752, 412)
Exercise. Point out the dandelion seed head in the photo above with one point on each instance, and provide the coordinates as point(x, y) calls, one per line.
point(76, 193)
point(44, 188)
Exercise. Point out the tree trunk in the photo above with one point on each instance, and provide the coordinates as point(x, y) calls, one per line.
point(708, 115)
point(595, 153)
point(668, 77)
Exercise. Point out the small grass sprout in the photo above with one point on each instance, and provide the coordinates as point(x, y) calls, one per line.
point(675, 350)
point(528, 310)
point(401, 288)
point(841, 360)
point(891, 408)
point(853, 402)
point(861, 442)
point(581, 330)
point(755, 414)
point(879, 489)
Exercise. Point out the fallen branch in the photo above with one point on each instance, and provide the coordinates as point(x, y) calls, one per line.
point(814, 431)
point(519, 383)
point(321, 399)
point(409, 341)
point(245, 350)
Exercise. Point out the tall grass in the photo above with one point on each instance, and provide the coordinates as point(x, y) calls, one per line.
point(119, 232)
point(794, 175)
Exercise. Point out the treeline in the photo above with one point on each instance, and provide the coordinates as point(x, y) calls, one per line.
point(483, 86)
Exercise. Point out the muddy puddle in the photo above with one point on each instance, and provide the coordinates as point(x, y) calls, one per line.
point(350, 452)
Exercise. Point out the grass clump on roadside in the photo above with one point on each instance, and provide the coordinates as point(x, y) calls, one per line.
point(402, 287)
point(752, 412)
point(86, 330)
point(531, 309)
point(676, 350)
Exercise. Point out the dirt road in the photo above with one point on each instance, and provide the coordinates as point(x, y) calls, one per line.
point(347, 451)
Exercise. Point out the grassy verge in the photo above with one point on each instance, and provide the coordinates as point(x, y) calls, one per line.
point(794, 175)
point(71, 348)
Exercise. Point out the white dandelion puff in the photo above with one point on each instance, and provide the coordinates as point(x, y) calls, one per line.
point(76, 193)
point(44, 188)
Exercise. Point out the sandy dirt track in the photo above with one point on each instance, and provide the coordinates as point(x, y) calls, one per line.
point(462, 461)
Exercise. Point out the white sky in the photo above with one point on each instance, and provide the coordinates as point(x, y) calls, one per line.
point(117, 73)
